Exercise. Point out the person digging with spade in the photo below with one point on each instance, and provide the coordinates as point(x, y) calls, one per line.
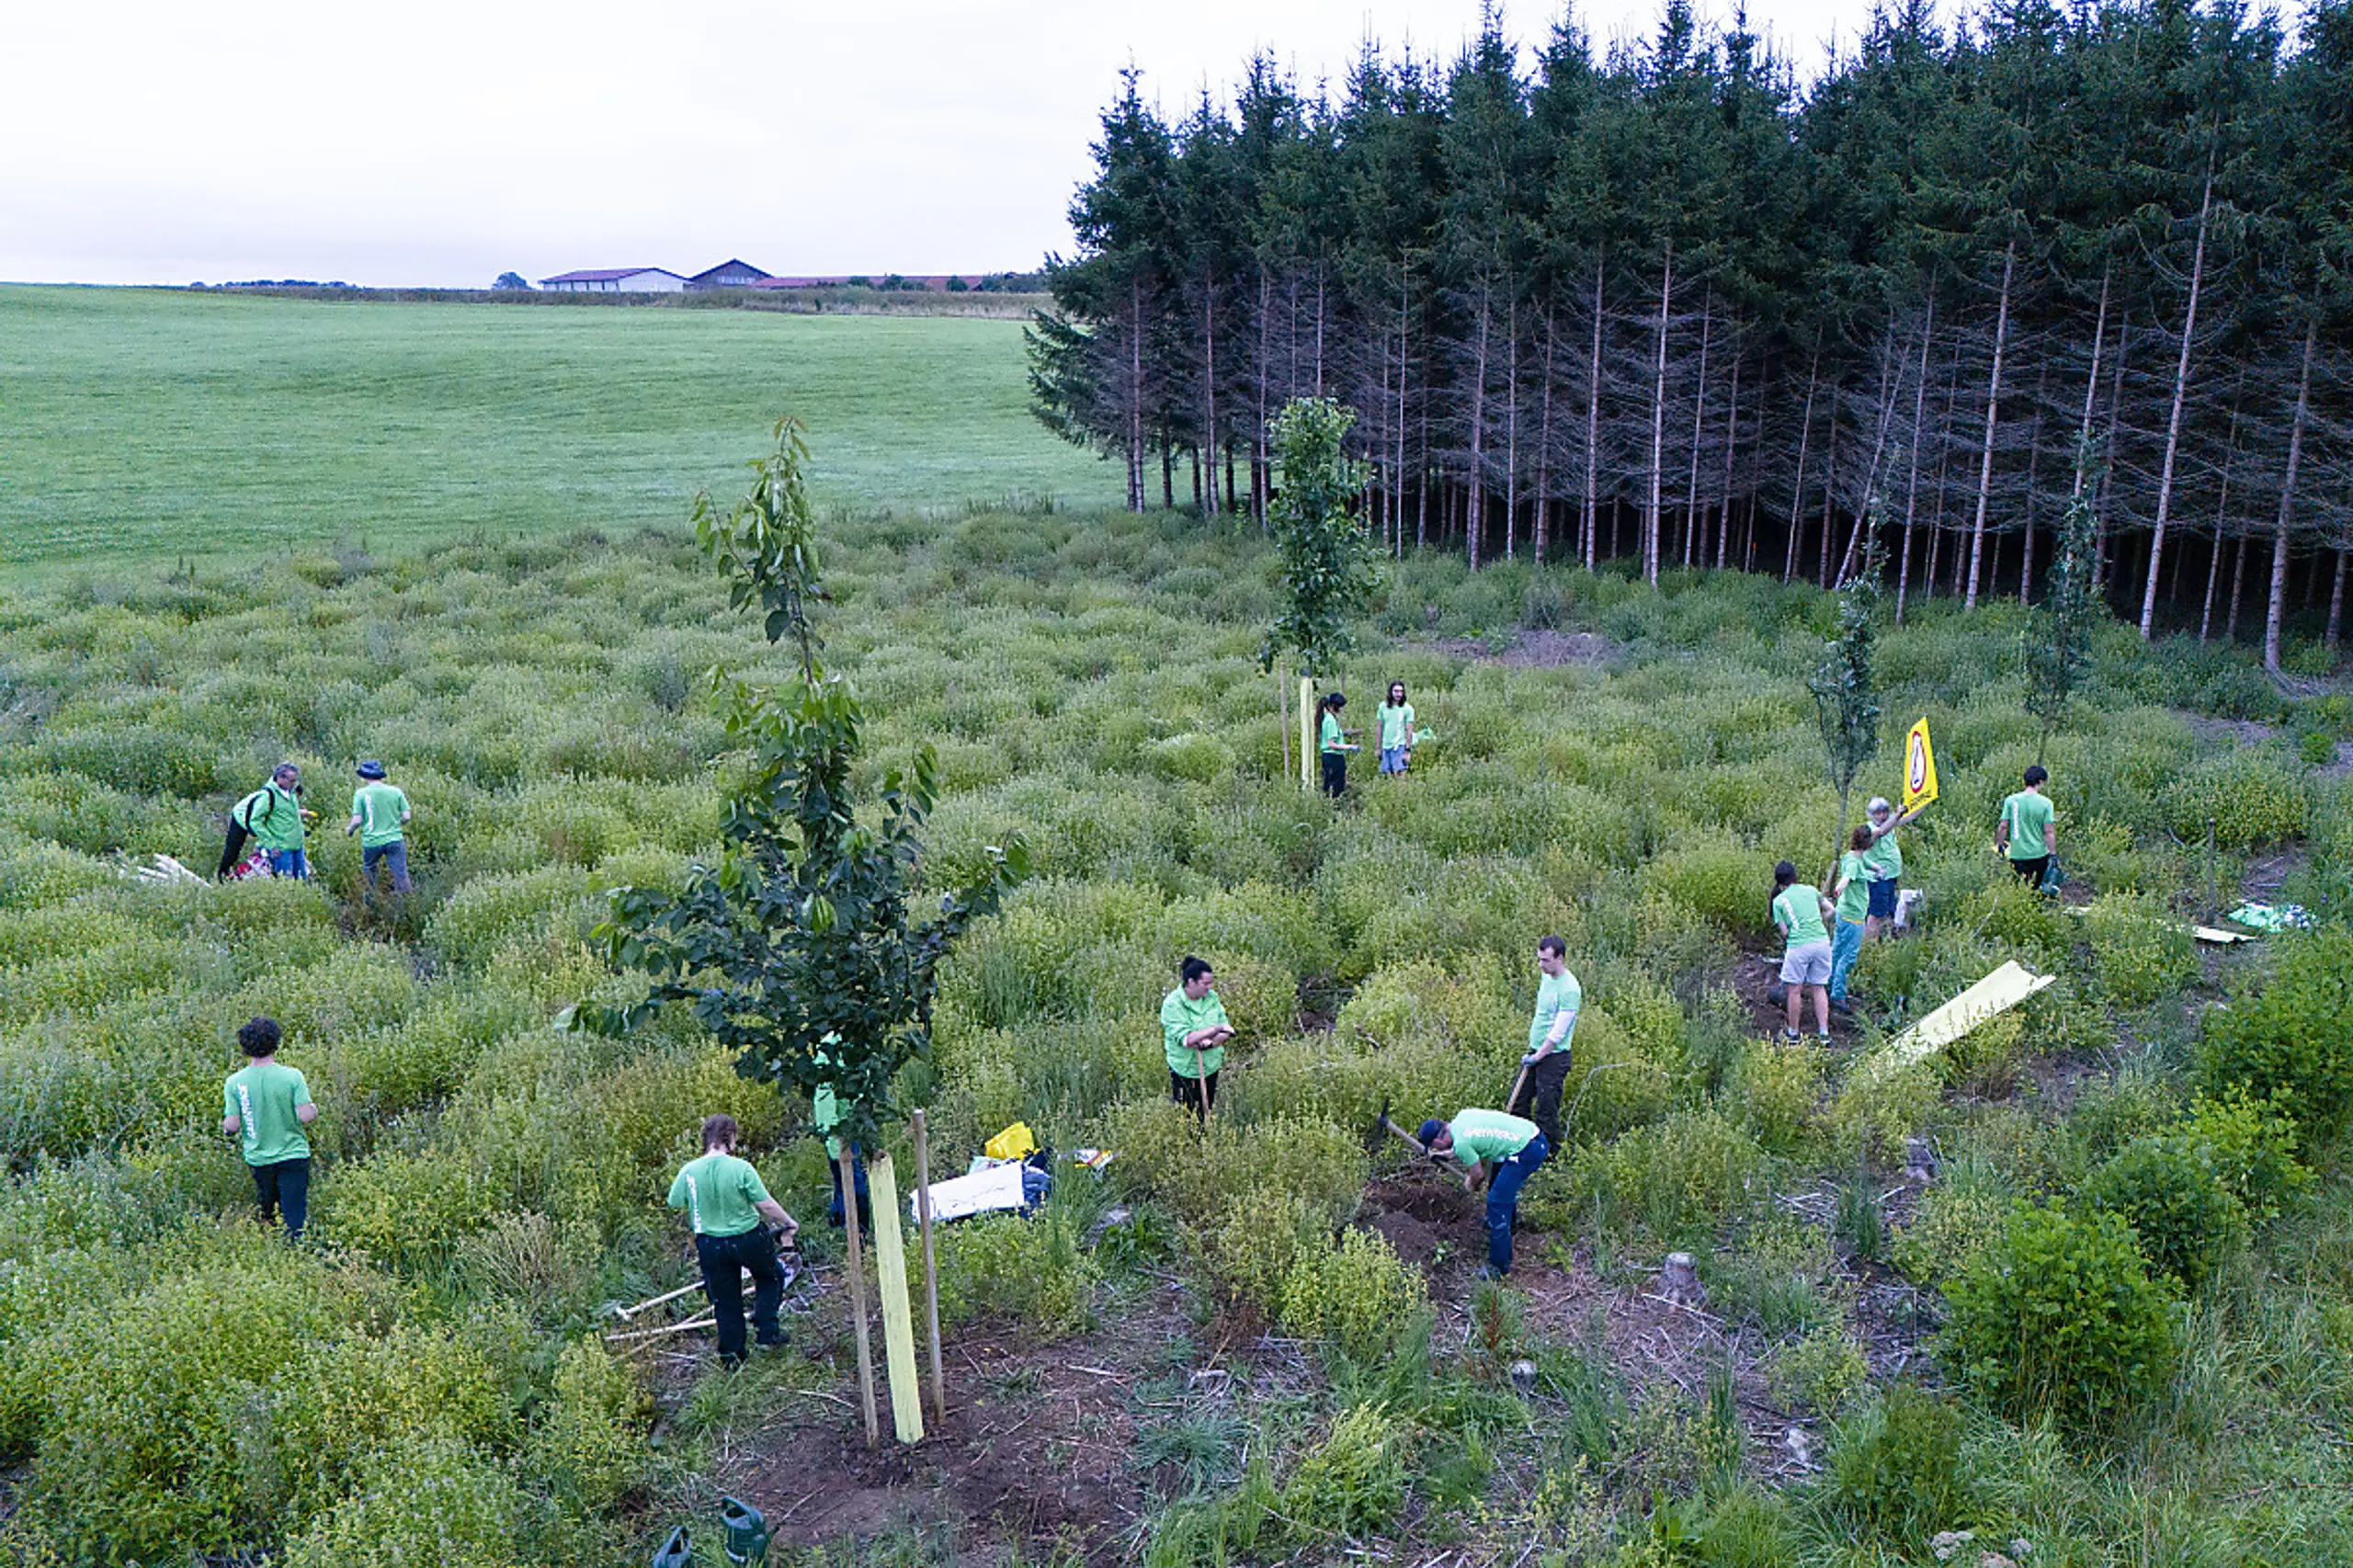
point(1502, 1151)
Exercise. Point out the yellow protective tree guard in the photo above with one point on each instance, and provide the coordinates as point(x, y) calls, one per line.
point(1989, 998)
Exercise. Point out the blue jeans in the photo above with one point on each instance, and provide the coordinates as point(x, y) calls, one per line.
point(289, 863)
point(1845, 947)
point(858, 1179)
point(1392, 759)
point(394, 854)
point(1503, 1198)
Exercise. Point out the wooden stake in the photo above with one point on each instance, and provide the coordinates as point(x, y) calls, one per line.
point(1306, 733)
point(857, 1297)
point(898, 1317)
point(930, 1268)
point(1282, 715)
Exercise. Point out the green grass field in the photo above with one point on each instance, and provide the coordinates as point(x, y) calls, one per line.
point(143, 425)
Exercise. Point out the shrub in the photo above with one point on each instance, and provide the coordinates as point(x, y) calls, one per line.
point(1717, 879)
point(1881, 1104)
point(422, 1500)
point(1822, 1370)
point(1895, 1466)
point(2251, 1147)
point(1956, 1218)
point(2251, 795)
point(402, 1209)
point(1778, 1089)
point(1027, 1267)
point(2059, 1315)
point(589, 1442)
point(2181, 1214)
point(1679, 1177)
point(2291, 1041)
point(1249, 1249)
point(334, 1406)
point(1356, 1294)
point(2141, 952)
point(1352, 1484)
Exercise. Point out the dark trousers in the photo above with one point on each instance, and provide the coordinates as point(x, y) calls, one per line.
point(394, 855)
point(1503, 1198)
point(1336, 772)
point(1186, 1092)
point(721, 1258)
point(2031, 872)
point(284, 1188)
point(858, 1180)
point(1539, 1096)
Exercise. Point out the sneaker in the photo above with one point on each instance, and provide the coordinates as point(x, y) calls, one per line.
point(1824, 1037)
point(1489, 1271)
point(1792, 1037)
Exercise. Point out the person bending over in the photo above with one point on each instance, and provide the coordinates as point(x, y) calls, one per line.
point(1501, 1150)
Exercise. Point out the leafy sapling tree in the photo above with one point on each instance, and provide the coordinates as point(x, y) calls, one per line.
point(801, 949)
point(1329, 563)
point(2058, 645)
point(1845, 703)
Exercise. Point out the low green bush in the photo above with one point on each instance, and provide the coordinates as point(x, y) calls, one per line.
point(1679, 1177)
point(2183, 1218)
point(1027, 1267)
point(2140, 951)
point(1967, 1207)
point(423, 1499)
point(1354, 1293)
point(1822, 1370)
point(1895, 1467)
point(589, 1442)
point(2250, 795)
point(2251, 1147)
point(2291, 1041)
point(2059, 1314)
point(1353, 1483)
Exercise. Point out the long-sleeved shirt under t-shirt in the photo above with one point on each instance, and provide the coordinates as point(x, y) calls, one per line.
point(1559, 994)
point(1181, 1015)
point(720, 1194)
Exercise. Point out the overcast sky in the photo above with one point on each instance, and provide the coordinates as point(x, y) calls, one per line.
point(438, 144)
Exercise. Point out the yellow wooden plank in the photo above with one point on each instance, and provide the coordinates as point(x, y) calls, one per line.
point(898, 1315)
point(1989, 998)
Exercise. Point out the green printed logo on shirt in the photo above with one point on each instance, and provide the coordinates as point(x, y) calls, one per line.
point(1487, 1136)
point(2028, 816)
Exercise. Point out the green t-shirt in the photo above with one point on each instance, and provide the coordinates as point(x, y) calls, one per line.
point(2028, 816)
point(381, 808)
point(274, 816)
point(1487, 1136)
point(262, 1096)
point(824, 1106)
point(1559, 994)
point(1854, 899)
point(719, 1193)
point(1394, 723)
point(1797, 910)
point(1328, 735)
point(1181, 1015)
point(1884, 860)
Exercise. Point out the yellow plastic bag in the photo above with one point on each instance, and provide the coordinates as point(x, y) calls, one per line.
point(1012, 1143)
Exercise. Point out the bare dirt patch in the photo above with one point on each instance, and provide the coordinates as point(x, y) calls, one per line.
point(1541, 650)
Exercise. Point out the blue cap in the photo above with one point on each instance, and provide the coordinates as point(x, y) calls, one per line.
point(1431, 1130)
point(371, 770)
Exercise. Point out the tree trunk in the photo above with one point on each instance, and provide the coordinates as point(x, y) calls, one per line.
point(2108, 454)
point(2091, 382)
point(2173, 425)
point(1135, 394)
point(1544, 449)
point(2336, 601)
point(2221, 512)
point(1889, 383)
point(1593, 422)
point(1993, 412)
point(1699, 413)
point(1478, 497)
point(2274, 616)
point(1911, 483)
point(1944, 470)
point(1731, 447)
point(1658, 421)
point(1797, 486)
point(1829, 492)
point(1511, 424)
point(1209, 387)
point(2033, 491)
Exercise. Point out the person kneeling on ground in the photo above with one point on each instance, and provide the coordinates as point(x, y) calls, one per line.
point(1500, 1149)
point(736, 1228)
point(265, 1106)
point(1193, 1032)
point(1798, 910)
point(1546, 1065)
point(379, 816)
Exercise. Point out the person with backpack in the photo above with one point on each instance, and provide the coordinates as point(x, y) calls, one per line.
point(379, 816)
point(736, 1227)
point(272, 817)
point(265, 1106)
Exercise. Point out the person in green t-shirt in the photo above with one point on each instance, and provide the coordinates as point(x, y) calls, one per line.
point(825, 1113)
point(1798, 910)
point(1884, 861)
point(1504, 1151)
point(379, 816)
point(1193, 1032)
point(1332, 741)
point(265, 1106)
point(1545, 1068)
point(1396, 719)
point(1850, 890)
point(737, 1226)
point(2029, 830)
point(272, 817)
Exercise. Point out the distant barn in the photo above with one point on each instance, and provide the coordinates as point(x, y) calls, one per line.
point(730, 274)
point(616, 280)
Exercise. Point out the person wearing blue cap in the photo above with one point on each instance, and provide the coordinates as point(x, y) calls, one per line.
point(379, 816)
point(1503, 1150)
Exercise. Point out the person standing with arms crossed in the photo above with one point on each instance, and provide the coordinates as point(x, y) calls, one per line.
point(1193, 1032)
point(265, 1106)
point(1545, 1068)
point(737, 1226)
point(379, 816)
point(2028, 832)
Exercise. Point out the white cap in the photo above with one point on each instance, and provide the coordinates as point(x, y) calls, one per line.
point(1879, 803)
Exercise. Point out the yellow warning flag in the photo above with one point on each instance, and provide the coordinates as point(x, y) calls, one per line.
point(1919, 767)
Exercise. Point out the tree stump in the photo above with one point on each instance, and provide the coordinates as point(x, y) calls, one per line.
point(1679, 1281)
point(1919, 1160)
